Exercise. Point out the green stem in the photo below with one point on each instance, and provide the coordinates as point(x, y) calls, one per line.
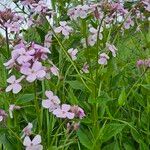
point(61, 45)
point(37, 107)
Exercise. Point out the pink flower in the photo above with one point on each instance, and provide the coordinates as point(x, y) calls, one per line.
point(79, 112)
point(128, 23)
point(40, 51)
point(40, 7)
point(48, 40)
point(2, 115)
point(64, 28)
point(54, 70)
point(23, 55)
point(103, 59)
point(10, 63)
point(13, 107)
point(112, 48)
point(92, 39)
point(35, 72)
point(79, 11)
point(146, 4)
point(27, 130)
point(85, 68)
point(73, 52)
point(14, 84)
point(52, 102)
point(63, 112)
point(34, 144)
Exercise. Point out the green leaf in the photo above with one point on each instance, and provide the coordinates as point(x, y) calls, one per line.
point(111, 130)
point(122, 97)
point(85, 138)
point(25, 98)
point(76, 85)
point(137, 137)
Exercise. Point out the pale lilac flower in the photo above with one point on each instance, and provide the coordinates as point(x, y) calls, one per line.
point(13, 107)
point(144, 63)
point(24, 56)
point(52, 102)
point(146, 4)
point(54, 70)
point(79, 112)
point(80, 11)
point(112, 48)
point(63, 112)
point(140, 63)
point(27, 130)
point(73, 52)
point(10, 63)
point(3, 115)
point(40, 51)
point(85, 68)
point(40, 7)
point(34, 144)
point(128, 23)
point(103, 59)
point(64, 28)
point(35, 72)
point(48, 40)
point(92, 39)
point(14, 84)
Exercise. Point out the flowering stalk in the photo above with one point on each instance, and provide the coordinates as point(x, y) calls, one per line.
point(70, 59)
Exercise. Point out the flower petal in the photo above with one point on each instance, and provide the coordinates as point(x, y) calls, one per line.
point(16, 88)
point(36, 140)
point(27, 141)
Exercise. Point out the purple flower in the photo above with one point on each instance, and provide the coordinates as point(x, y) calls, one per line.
point(92, 39)
point(48, 40)
point(85, 68)
point(79, 112)
point(27, 130)
point(112, 48)
point(2, 115)
point(14, 84)
point(63, 112)
point(34, 144)
point(73, 52)
point(54, 70)
point(35, 72)
point(103, 59)
point(79, 11)
point(52, 102)
point(13, 107)
point(64, 28)
point(128, 23)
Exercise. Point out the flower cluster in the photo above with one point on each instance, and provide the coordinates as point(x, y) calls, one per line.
point(10, 20)
point(61, 111)
point(27, 59)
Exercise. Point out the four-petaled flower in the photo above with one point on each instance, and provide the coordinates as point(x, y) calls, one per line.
point(103, 59)
point(73, 52)
point(64, 28)
point(52, 102)
point(27, 130)
point(35, 72)
point(34, 144)
point(14, 84)
point(64, 112)
point(112, 48)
